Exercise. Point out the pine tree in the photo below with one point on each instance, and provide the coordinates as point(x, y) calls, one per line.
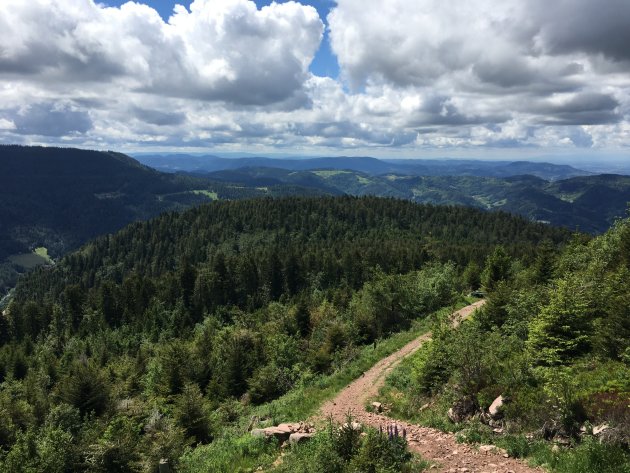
point(562, 330)
point(497, 268)
point(303, 318)
point(472, 276)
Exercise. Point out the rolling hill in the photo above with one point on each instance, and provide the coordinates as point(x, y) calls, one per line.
point(588, 203)
point(55, 199)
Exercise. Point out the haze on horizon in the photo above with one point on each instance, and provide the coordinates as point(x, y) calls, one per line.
point(402, 78)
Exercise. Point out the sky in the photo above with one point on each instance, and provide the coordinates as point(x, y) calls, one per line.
point(395, 78)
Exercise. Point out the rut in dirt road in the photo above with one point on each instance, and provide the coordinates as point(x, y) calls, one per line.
point(433, 445)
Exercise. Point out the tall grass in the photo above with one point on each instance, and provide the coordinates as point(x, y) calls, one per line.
point(230, 453)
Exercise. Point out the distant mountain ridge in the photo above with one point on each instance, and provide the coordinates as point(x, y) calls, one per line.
point(587, 203)
point(59, 198)
point(372, 166)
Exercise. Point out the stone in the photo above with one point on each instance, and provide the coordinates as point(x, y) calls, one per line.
point(486, 449)
point(377, 406)
point(257, 433)
point(280, 433)
point(495, 408)
point(163, 466)
point(289, 427)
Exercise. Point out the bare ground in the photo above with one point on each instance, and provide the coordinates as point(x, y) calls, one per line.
point(434, 445)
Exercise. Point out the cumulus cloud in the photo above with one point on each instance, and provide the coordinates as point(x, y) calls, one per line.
point(416, 75)
point(222, 50)
point(483, 63)
point(589, 26)
point(158, 117)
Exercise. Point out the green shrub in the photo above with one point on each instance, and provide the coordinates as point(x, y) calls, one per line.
point(378, 453)
point(191, 413)
point(345, 450)
point(593, 457)
point(86, 388)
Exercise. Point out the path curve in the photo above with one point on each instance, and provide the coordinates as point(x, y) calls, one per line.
point(432, 444)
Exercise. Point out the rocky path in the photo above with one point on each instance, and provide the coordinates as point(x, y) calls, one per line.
point(433, 445)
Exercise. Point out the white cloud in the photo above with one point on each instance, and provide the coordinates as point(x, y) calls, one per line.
point(415, 75)
point(453, 66)
point(6, 124)
point(222, 50)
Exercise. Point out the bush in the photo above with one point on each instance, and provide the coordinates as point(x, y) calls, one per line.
point(345, 450)
point(191, 413)
point(378, 453)
point(594, 457)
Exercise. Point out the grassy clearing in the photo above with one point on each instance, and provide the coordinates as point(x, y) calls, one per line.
point(43, 252)
point(329, 173)
point(210, 194)
point(31, 260)
point(230, 454)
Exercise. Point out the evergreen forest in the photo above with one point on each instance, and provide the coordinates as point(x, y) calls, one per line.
point(163, 341)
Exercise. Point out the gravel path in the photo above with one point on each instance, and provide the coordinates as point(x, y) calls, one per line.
point(432, 444)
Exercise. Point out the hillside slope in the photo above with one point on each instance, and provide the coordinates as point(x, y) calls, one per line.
point(167, 334)
point(59, 198)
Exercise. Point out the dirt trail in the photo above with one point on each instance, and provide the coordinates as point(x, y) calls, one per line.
point(432, 444)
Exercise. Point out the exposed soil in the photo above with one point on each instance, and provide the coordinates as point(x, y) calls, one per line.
point(432, 444)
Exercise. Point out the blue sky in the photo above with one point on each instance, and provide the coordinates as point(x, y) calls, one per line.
point(395, 78)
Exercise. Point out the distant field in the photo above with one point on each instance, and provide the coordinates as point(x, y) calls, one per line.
point(211, 194)
point(31, 260)
point(329, 173)
point(180, 195)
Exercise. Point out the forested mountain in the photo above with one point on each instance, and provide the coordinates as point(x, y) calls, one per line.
point(59, 198)
point(54, 199)
point(372, 166)
point(164, 335)
point(589, 203)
